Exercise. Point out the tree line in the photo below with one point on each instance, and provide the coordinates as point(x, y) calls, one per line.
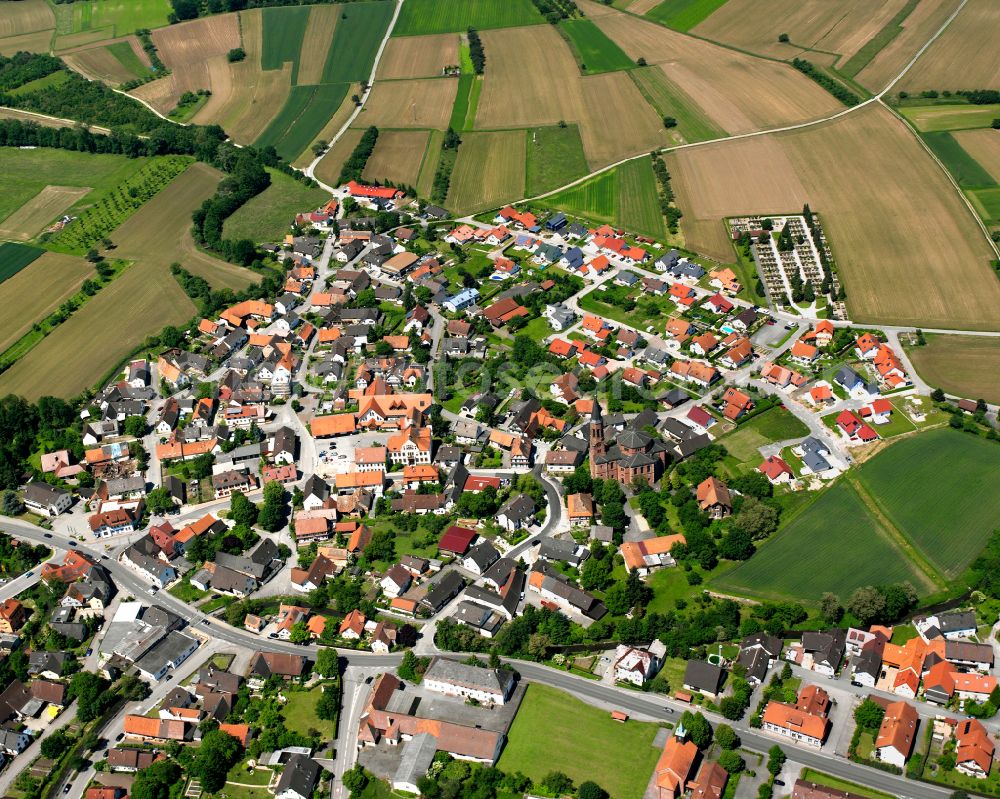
point(355, 164)
point(837, 89)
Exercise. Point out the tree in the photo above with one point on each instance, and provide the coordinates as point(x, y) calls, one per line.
point(236, 54)
point(736, 545)
point(726, 737)
point(775, 760)
point(91, 694)
point(327, 705)
point(355, 779)
point(732, 762)
point(57, 743)
point(596, 573)
point(12, 505)
point(867, 604)
point(937, 395)
point(591, 790)
point(159, 501)
point(155, 781)
point(218, 752)
point(299, 634)
point(869, 715)
point(327, 663)
point(830, 608)
point(407, 670)
point(558, 783)
point(242, 510)
point(616, 600)
point(783, 38)
point(756, 518)
point(669, 122)
point(698, 728)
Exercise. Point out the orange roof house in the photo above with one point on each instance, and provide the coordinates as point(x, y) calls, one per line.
point(650, 553)
point(974, 755)
point(806, 353)
point(580, 508)
point(736, 403)
point(673, 769)
point(241, 732)
point(339, 424)
point(897, 734)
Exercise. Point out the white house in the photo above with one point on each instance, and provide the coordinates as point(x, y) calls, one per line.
point(487, 686)
point(635, 665)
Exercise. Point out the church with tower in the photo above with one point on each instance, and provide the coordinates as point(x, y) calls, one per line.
point(633, 453)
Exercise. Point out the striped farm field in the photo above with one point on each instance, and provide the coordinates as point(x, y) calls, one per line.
point(638, 201)
point(356, 40)
point(14, 257)
point(489, 171)
point(969, 173)
point(983, 146)
point(446, 16)
point(284, 29)
point(304, 115)
point(31, 218)
point(428, 167)
point(113, 63)
point(834, 545)
point(420, 103)
point(109, 18)
point(265, 218)
point(26, 16)
point(397, 156)
point(669, 100)
point(328, 169)
point(37, 290)
point(595, 52)
point(316, 43)
point(418, 56)
point(923, 484)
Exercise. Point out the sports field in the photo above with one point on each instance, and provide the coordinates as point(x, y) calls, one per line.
point(818, 30)
point(736, 91)
point(447, 16)
point(37, 290)
point(15, 257)
point(418, 103)
point(924, 484)
point(682, 15)
point(638, 201)
point(554, 731)
point(31, 218)
point(834, 545)
point(932, 118)
point(266, 217)
point(670, 101)
point(876, 188)
point(965, 56)
point(397, 156)
point(966, 366)
point(489, 171)
point(555, 158)
point(595, 52)
point(418, 56)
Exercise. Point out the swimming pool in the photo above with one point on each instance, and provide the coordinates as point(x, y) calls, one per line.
point(727, 329)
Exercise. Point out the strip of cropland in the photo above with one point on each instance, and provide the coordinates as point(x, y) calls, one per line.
point(682, 15)
point(418, 56)
point(555, 158)
point(31, 218)
point(595, 52)
point(15, 257)
point(876, 188)
point(446, 16)
point(397, 156)
point(949, 116)
point(966, 366)
point(489, 171)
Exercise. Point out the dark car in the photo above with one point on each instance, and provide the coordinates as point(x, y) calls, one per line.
point(48, 535)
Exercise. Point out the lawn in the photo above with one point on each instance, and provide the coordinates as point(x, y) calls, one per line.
point(555, 158)
point(300, 716)
point(594, 51)
point(834, 545)
point(965, 169)
point(123, 16)
point(537, 329)
point(186, 592)
point(267, 216)
point(14, 257)
point(554, 731)
point(843, 785)
point(774, 425)
point(682, 15)
point(924, 484)
point(448, 16)
point(638, 200)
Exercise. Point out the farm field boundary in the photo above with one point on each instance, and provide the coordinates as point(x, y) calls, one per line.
point(15, 257)
point(31, 218)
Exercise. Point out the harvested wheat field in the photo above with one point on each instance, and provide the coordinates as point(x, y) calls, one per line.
point(316, 43)
point(525, 63)
point(967, 366)
point(37, 42)
point(421, 103)
point(965, 56)
point(100, 63)
point(909, 250)
point(397, 156)
point(32, 218)
point(37, 290)
point(195, 52)
point(328, 170)
point(26, 16)
point(738, 92)
point(418, 56)
point(489, 170)
point(918, 28)
point(640, 7)
point(984, 147)
point(840, 27)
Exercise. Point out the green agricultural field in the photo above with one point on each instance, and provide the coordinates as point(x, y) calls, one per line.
point(594, 51)
point(303, 116)
point(596, 198)
point(670, 101)
point(834, 545)
point(638, 200)
point(125, 55)
point(283, 29)
point(965, 169)
point(554, 731)
point(355, 42)
point(461, 118)
point(924, 484)
point(24, 173)
point(51, 80)
point(555, 158)
point(987, 202)
point(950, 116)
point(267, 216)
point(425, 177)
point(122, 17)
point(682, 15)
point(873, 46)
point(451, 16)
point(14, 257)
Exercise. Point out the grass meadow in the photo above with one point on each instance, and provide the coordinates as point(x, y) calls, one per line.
point(356, 40)
point(594, 51)
point(266, 217)
point(596, 198)
point(555, 158)
point(283, 30)
point(638, 200)
point(950, 116)
point(121, 17)
point(554, 731)
point(682, 15)
point(447, 16)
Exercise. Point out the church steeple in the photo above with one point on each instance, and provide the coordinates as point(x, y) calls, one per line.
point(596, 433)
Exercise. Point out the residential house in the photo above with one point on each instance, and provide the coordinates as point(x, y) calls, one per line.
point(704, 678)
point(897, 734)
point(805, 722)
point(636, 665)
